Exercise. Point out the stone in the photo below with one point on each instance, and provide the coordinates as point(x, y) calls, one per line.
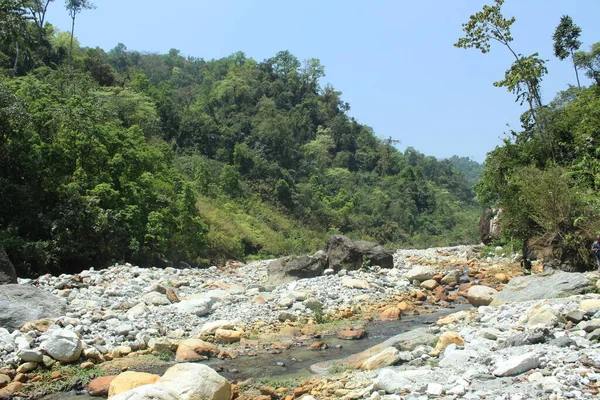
point(147, 392)
point(194, 350)
point(356, 283)
point(4, 380)
point(385, 358)
point(390, 314)
point(194, 382)
point(63, 345)
point(375, 254)
point(198, 307)
point(538, 287)
point(541, 314)
point(162, 345)
point(289, 269)
point(391, 381)
point(589, 326)
point(575, 316)
point(420, 273)
point(30, 355)
point(517, 365)
point(210, 328)
point(99, 387)
point(446, 339)
point(40, 325)
point(23, 303)
point(434, 389)
point(429, 284)
point(480, 295)
point(451, 278)
point(351, 334)
point(8, 274)
point(137, 311)
point(343, 253)
point(27, 367)
point(172, 295)
point(129, 380)
point(227, 336)
point(156, 299)
point(452, 318)
point(590, 305)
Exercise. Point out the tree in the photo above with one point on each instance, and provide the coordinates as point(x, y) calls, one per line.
point(37, 9)
point(75, 7)
point(590, 61)
point(566, 41)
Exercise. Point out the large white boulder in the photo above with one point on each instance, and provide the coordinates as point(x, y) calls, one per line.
point(199, 307)
point(420, 273)
point(195, 382)
point(517, 365)
point(147, 392)
point(391, 382)
point(480, 295)
point(63, 345)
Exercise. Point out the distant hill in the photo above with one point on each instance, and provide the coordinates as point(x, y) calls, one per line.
point(472, 170)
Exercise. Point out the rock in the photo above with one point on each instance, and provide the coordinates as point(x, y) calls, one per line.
point(162, 345)
point(194, 350)
point(40, 325)
point(420, 273)
point(194, 382)
point(147, 392)
point(198, 307)
point(385, 358)
point(391, 381)
point(343, 253)
point(4, 380)
point(375, 254)
point(26, 367)
point(23, 303)
point(156, 299)
point(450, 278)
point(227, 336)
point(99, 387)
point(541, 314)
point(445, 340)
point(537, 287)
point(129, 380)
point(8, 274)
point(517, 365)
point(210, 328)
point(63, 345)
point(479, 295)
point(30, 355)
point(356, 283)
point(575, 316)
point(172, 295)
point(589, 326)
point(429, 284)
point(287, 316)
point(390, 314)
point(434, 389)
point(289, 269)
point(592, 305)
point(351, 334)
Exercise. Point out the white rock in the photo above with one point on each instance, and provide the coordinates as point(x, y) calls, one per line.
point(517, 365)
point(434, 389)
point(156, 299)
point(210, 328)
point(356, 283)
point(390, 381)
point(29, 355)
point(385, 358)
point(479, 295)
point(458, 389)
point(195, 381)
point(199, 307)
point(63, 345)
point(137, 311)
point(147, 392)
point(420, 273)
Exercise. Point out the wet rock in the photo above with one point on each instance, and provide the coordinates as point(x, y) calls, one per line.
point(99, 387)
point(390, 314)
point(351, 334)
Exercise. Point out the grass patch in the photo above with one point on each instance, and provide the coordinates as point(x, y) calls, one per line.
point(336, 368)
point(69, 375)
point(278, 382)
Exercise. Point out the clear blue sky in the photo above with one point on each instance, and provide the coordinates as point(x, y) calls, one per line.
point(393, 60)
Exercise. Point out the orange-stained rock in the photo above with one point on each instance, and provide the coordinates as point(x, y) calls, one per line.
point(319, 345)
point(194, 350)
point(99, 386)
point(172, 295)
point(259, 300)
point(405, 306)
point(390, 314)
point(129, 380)
point(445, 340)
point(351, 334)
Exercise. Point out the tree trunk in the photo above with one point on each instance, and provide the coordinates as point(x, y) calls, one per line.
point(16, 57)
point(71, 47)
point(576, 72)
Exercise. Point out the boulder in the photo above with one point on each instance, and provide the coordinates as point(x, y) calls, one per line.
point(376, 254)
point(356, 283)
point(227, 336)
point(537, 287)
point(199, 307)
point(63, 345)
point(128, 380)
point(391, 381)
point(517, 365)
point(100, 386)
point(8, 274)
point(194, 350)
point(288, 269)
point(195, 381)
point(480, 295)
point(446, 339)
point(420, 273)
point(343, 253)
point(23, 303)
point(390, 314)
point(210, 328)
point(351, 334)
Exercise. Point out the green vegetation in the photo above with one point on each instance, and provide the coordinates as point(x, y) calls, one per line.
point(159, 158)
point(336, 368)
point(70, 375)
point(545, 178)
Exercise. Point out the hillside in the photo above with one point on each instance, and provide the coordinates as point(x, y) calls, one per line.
point(158, 158)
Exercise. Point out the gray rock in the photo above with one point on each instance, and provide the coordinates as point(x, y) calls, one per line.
point(8, 274)
point(517, 365)
point(29, 355)
point(480, 295)
point(289, 269)
point(376, 254)
point(23, 303)
point(390, 381)
point(575, 316)
point(199, 307)
point(589, 326)
point(343, 253)
point(563, 341)
point(594, 336)
point(537, 287)
point(420, 273)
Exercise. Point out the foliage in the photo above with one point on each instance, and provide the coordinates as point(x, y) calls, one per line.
point(566, 41)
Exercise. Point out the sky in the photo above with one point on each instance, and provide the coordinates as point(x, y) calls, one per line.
point(393, 60)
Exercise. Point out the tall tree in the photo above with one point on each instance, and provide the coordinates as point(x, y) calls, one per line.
point(590, 61)
point(75, 7)
point(566, 41)
point(37, 10)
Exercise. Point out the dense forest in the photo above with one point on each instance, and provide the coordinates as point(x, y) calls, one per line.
point(160, 158)
point(545, 178)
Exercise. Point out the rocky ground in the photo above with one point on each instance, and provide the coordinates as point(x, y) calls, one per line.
point(114, 318)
